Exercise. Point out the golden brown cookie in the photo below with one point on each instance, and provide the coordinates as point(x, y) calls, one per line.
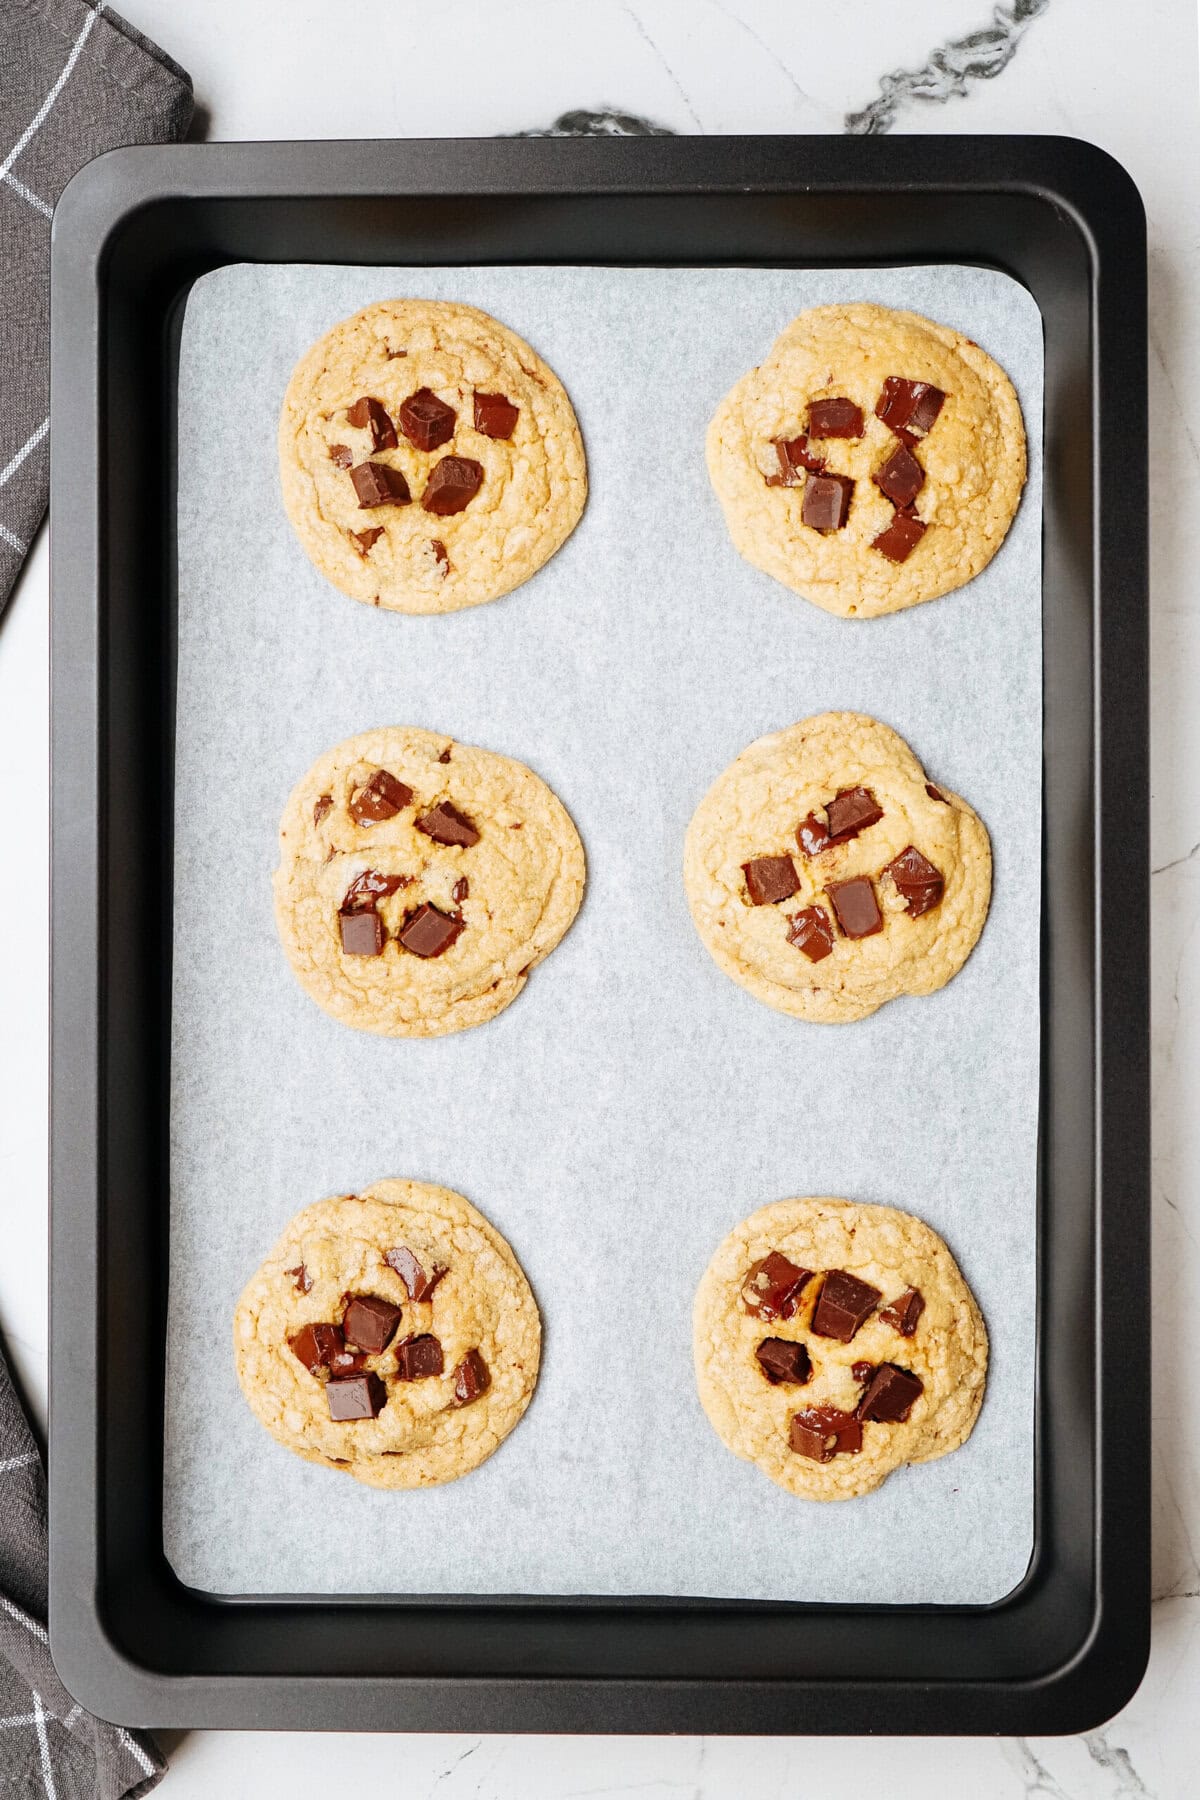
point(429, 458)
point(391, 1335)
point(826, 874)
point(874, 460)
point(835, 1342)
point(420, 880)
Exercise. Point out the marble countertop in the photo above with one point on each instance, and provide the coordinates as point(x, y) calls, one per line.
point(1122, 76)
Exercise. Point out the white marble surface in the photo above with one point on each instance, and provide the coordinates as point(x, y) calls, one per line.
point(1121, 74)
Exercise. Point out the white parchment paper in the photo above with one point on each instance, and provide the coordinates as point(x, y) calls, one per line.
point(634, 1103)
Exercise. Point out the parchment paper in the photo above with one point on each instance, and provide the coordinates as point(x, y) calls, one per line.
point(634, 1103)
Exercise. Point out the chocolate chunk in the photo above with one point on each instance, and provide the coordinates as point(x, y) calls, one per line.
point(371, 886)
point(382, 798)
point(850, 812)
point(362, 932)
point(302, 1278)
point(842, 1305)
point(427, 421)
point(904, 1311)
point(369, 1322)
point(901, 538)
point(355, 1397)
point(453, 483)
point(341, 454)
point(856, 907)
point(773, 1286)
point(323, 805)
point(412, 1273)
point(901, 477)
point(364, 539)
point(445, 756)
point(934, 794)
point(812, 836)
point(316, 1345)
point(826, 503)
point(835, 419)
point(890, 1395)
point(471, 1378)
point(370, 413)
point(811, 932)
point(378, 485)
point(446, 825)
point(418, 1357)
point(442, 557)
point(823, 1432)
point(460, 890)
point(770, 879)
point(428, 932)
point(495, 415)
point(782, 1362)
point(921, 884)
point(862, 1371)
point(908, 408)
point(795, 458)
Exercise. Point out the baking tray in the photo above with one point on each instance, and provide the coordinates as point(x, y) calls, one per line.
point(131, 234)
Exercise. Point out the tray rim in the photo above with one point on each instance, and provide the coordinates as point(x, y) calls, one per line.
point(97, 204)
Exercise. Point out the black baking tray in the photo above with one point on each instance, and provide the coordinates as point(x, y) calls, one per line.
point(131, 233)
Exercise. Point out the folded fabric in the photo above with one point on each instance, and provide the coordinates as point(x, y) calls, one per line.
point(77, 80)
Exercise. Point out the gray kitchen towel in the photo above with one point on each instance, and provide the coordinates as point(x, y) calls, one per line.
point(50, 1749)
point(75, 79)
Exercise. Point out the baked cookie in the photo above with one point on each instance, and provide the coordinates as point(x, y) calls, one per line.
point(390, 1334)
point(827, 875)
point(429, 458)
point(420, 880)
point(874, 460)
point(834, 1343)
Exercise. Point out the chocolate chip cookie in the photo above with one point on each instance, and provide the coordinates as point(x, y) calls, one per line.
point(835, 1342)
point(429, 458)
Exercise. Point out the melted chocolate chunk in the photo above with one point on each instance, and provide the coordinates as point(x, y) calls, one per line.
point(429, 932)
point(371, 886)
point(826, 503)
point(316, 1345)
point(453, 483)
point(842, 1305)
point(855, 906)
point(795, 460)
point(460, 890)
point(323, 805)
point(811, 932)
point(417, 1358)
point(446, 825)
point(369, 1322)
point(495, 415)
point(364, 539)
point(862, 1371)
point(381, 798)
point(850, 812)
point(901, 477)
point(471, 1378)
point(934, 794)
point(376, 484)
point(355, 1397)
point(903, 1312)
point(342, 455)
point(445, 756)
point(835, 419)
point(426, 421)
point(890, 1395)
point(812, 836)
point(362, 932)
point(908, 408)
point(917, 880)
point(901, 538)
point(773, 1286)
point(302, 1278)
point(770, 879)
point(823, 1432)
point(442, 557)
point(412, 1273)
point(784, 1363)
point(371, 414)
